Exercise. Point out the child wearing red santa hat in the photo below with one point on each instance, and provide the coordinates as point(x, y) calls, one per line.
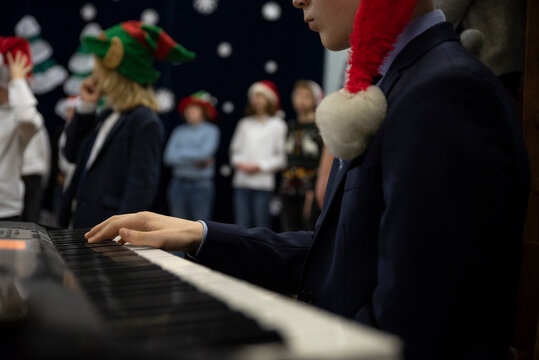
point(257, 153)
point(19, 121)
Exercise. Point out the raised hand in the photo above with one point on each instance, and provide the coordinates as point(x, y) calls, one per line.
point(89, 90)
point(18, 66)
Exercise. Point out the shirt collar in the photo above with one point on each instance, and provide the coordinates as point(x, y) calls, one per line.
point(412, 30)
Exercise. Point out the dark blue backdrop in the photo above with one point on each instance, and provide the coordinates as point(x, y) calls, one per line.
point(254, 40)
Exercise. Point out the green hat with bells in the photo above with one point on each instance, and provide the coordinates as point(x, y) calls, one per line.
point(131, 48)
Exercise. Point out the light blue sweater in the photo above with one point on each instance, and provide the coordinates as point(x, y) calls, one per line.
point(189, 145)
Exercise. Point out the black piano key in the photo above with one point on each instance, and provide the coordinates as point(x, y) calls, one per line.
point(148, 307)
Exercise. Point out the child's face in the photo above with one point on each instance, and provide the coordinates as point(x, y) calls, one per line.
point(332, 19)
point(303, 100)
point(259, 102)
point(193, 114)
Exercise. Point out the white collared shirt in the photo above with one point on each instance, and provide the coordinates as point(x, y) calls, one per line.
point(414, 28)
point(103, 132)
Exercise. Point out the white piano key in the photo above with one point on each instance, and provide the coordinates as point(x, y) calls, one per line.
point(308, 332)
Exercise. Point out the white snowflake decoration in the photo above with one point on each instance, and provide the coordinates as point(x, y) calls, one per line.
point(228, 107)
point(88, 12)
point(224, 49)
point(271, 67)
point(166, 100)
point(271, 11)
point(150, 16)
point(213, 100)
point(225, 170)
point(205, 7)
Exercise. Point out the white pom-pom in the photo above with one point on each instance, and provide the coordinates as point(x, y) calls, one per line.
point(347, 122)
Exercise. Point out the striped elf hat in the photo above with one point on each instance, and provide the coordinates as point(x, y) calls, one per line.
point(349, 118)
point(131, 48)
point(202, 99)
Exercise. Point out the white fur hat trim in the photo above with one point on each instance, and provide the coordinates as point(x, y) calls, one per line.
point(259, 88)
point(348, 122)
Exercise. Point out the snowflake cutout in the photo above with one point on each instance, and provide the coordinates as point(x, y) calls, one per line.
point(271, 11)
point(205, 7)
point(88, 12)
point(150, 16)
point(166, 100)
point(224, 49)
point(271, 67)
point(228, 107)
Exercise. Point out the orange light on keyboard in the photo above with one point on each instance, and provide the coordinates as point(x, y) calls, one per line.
point(12, 244)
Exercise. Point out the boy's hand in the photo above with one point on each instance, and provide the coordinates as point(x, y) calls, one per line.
point(150, 229)
point(18, 68)
point(89, 91)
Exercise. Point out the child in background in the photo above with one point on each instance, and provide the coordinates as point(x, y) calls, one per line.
point(118, 150)
point(190, 152)
point(35, 174)
point(19, 122)
point(303, 148)
point(257, 152)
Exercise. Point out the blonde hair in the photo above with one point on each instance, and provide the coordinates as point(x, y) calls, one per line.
point(122, 93)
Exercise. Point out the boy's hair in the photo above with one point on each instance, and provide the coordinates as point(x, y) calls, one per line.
point(120, 92)
point(304, 84)
point(271, 109)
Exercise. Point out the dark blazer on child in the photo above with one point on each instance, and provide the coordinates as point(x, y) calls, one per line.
point(421, 235)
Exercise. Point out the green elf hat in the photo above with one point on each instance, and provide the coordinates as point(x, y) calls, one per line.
point(131, 47)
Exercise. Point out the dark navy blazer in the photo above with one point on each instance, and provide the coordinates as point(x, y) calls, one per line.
point(421, 235)
point(124, 177)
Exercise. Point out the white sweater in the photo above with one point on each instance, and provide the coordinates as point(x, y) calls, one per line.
point(19, 121)
point(262, 143)
point(37, 156)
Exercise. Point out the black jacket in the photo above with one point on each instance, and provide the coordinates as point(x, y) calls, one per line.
point(124, 177)
point(421, 235)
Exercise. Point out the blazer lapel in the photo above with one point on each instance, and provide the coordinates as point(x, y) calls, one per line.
point(110, 136)
point(336, 177)
point(409, 55)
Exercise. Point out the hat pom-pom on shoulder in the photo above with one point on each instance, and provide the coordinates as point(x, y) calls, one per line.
point(348, 121)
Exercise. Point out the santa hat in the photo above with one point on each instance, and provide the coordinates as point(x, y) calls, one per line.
point(131, 48)
point(12, 45)
point(266, 88)
point(202, 99)
point(348, 119)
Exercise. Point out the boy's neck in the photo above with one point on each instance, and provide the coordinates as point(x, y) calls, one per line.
point(422, 7)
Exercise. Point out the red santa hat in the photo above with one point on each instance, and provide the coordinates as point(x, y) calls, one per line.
point(11, 45)
point(348, 119)
point(202, 99)
point(266, 88)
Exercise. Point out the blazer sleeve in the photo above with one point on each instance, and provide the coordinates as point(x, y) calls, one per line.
point(449, 176)
point(257, 255)
point(144, 162)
